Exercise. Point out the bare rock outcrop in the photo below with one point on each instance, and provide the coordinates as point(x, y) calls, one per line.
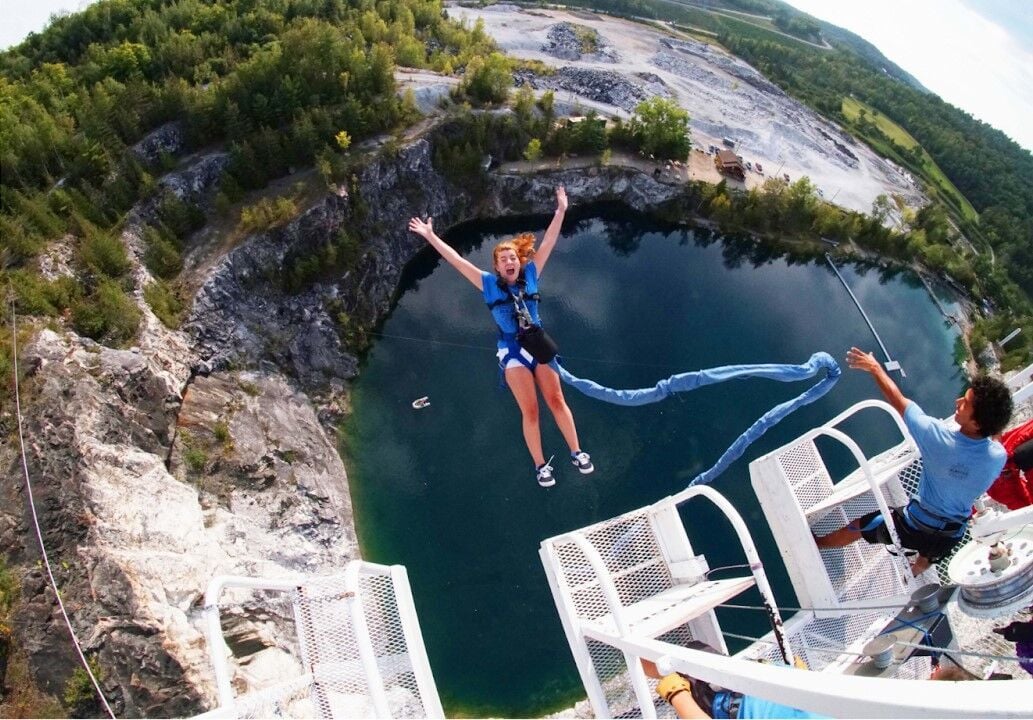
point(603, 86)
point(577, 42)
point(135, 544)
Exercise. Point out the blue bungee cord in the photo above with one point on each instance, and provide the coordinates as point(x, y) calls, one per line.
point(688, 381)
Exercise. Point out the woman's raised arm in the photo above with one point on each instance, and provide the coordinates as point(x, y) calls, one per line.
point(466, 268)
point(552, 233)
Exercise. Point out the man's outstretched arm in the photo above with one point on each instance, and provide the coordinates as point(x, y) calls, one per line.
point(860, 360)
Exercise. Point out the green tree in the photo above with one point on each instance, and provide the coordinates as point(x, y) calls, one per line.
point(488, 80)
point(661, 128)
point(534, 150)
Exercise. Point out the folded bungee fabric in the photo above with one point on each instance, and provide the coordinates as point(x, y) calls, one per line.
point(685, 382)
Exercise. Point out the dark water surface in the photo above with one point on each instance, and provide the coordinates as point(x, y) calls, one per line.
point(449, 491)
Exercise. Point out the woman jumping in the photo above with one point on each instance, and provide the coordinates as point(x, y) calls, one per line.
point(511, 292)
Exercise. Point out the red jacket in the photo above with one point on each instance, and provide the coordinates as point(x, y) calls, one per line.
point(1014, 487)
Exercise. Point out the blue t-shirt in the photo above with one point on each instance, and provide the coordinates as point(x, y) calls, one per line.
point(505, 314)
point(955, 468)
point(755, 707)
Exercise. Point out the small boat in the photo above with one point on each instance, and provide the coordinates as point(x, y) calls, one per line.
point(420, 403)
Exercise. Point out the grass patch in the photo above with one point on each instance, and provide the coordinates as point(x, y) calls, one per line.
point(852, 111)
point(221, 431)
point(893, 141)
point(587, 38)
point(250, 388)
point(195, 458)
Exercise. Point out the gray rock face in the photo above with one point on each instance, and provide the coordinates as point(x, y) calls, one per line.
point(169, 139)
point(243, 313)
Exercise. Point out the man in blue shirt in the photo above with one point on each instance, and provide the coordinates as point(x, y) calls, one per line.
point(958, 465)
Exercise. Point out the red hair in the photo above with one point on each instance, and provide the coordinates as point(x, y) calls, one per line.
point(522, 245)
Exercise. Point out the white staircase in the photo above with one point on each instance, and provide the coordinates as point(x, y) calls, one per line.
point(635, 577)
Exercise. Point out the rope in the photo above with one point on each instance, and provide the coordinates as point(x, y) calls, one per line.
point(790, 608)
point(917, 646)
point(35, 518)
point(685, 382)
point(968, 653)
point(808, 648)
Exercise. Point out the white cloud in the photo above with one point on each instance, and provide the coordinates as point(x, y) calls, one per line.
point(957, 53)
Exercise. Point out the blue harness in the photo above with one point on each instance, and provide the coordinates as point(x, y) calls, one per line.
point(522, 302)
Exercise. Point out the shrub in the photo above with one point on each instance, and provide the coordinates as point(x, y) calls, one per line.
point(108, 315)
point(180, 217)
point(195, 458)
point(36, 296)
point(9, 588)
point(161, 253)
point(534, 150)
point(104, 254)
point(488, 80)
point(79, 695)
point(267, 213)
point(221, 431)
point(250, 388)
point(165, 303)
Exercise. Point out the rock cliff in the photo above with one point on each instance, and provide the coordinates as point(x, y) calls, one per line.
point(157, 467)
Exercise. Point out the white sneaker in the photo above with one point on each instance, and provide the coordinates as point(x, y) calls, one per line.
point(545, 478)
point(582, 461)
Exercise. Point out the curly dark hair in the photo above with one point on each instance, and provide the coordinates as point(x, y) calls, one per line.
point(992, 405)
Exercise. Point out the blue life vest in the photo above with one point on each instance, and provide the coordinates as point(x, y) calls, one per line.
point(502, 300)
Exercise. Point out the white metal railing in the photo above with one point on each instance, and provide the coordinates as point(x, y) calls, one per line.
point(797, 495)
point(838, 695)
point(353, 640)
point(635, 576)
point(1021, 385)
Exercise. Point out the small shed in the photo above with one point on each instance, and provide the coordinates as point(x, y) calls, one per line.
point(728, 163)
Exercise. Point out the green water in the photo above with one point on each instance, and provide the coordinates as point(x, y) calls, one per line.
point(449, 491)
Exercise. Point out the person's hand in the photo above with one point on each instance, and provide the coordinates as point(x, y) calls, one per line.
point(421, 228)
point(860, 360)
point(561, 199)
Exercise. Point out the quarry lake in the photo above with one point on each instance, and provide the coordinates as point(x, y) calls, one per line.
point(449, 491)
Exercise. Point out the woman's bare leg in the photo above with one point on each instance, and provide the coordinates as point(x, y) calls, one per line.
point(552, 391)
point(521, 382)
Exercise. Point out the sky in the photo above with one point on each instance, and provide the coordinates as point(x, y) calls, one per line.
point(975, 54)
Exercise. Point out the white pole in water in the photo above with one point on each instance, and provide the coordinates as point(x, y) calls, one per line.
point(890, 363)
point(1012, 334)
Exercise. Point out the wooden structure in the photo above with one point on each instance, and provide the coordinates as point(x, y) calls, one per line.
point(728, 163)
